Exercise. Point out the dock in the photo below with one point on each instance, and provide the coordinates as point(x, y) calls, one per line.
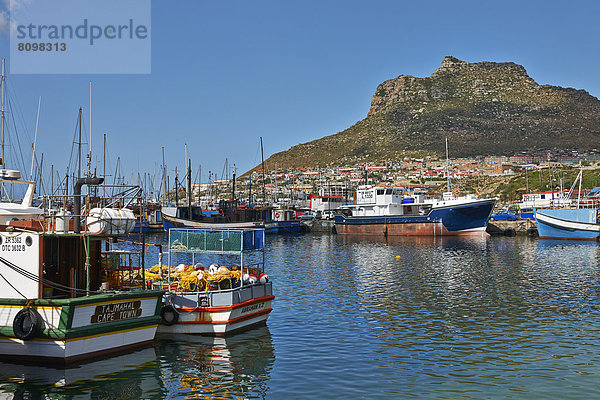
point(512, 228)
point(318, 226)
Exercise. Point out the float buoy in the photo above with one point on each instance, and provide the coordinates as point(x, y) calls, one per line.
point(27, 324)
point(263, 278)
point(213, 268)
point(168, 315)
point(198, 267)
point(252, 279)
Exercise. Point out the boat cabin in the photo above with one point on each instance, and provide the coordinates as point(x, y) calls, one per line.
point(385, 201)
point(57, 265)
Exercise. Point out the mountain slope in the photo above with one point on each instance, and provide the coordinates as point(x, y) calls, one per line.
point(483, 108)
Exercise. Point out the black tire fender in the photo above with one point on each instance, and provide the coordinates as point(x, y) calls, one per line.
point(168, 315)
point(32, 318)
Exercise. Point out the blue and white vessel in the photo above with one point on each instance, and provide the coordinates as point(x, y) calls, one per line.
point(575, 224)
point(385, 211)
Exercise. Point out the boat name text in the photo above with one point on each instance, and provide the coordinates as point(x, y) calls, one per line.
point(252, 307)
point(117, 311)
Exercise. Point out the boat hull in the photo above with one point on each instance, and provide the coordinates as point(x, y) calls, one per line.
point(283, 227)
point(569, 224)
point(142, 227)
point(458, 220)
point(82, 328)
point(229, 311)
point(170, 222)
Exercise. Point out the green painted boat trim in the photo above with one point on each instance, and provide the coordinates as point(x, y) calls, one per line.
point(66, 317)
point(78, 301)
point(88, 330)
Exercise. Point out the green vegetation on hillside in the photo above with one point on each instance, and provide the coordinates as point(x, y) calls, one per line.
point(483, 108)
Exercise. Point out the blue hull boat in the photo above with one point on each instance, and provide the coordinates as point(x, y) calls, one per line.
point(573, 224)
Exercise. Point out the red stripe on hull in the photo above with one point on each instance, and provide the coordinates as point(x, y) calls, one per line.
point(410, 229)
point(230, 321)
point(227, 308)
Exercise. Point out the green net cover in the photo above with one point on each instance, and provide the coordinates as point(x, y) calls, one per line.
point(216, 241)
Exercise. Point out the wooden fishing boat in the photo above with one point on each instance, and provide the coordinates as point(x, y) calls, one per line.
point(64, 297)
point(217, 300)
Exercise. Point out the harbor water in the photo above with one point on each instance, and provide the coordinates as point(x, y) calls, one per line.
point(358, 317)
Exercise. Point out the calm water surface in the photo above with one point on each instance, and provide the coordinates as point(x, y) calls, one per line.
point(450, 318)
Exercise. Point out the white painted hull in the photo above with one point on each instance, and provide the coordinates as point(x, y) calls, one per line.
point(80, 328)
point(219, 321)
point(78, 348)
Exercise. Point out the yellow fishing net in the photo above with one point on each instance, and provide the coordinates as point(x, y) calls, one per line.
point(190, 280)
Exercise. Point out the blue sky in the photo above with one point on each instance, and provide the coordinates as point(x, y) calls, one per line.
point(225, 73)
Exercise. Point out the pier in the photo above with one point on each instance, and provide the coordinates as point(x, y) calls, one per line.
point(525, 227)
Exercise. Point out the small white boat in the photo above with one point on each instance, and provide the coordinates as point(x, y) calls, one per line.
point(217, 300)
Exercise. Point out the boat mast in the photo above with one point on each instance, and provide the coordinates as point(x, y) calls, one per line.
point(579, 192)
point(233, 184)
point(164, 178)
point(176, 188)
point(79, 148)
point(250, 189)
point(3, 84)
point(189, 187)
point(104, 167)
point(262, 157)
point(37, 120)
point(447, 171)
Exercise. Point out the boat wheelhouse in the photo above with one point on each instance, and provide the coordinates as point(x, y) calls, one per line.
point(386, 211)
point(220, 299)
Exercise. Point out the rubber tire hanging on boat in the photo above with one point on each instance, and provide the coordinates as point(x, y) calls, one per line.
point(19, 324)
point(165, 310)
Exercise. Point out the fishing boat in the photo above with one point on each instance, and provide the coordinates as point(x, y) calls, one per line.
point(229, 215)
point(575, 220)
point(64, 296)
point(386, 211)
point(575, 224)
point(219, 299)
point(283, 220)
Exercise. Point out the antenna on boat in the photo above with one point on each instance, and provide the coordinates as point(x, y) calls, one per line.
point(447, 171)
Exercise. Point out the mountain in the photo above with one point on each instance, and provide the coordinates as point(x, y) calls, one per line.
point(483, 108)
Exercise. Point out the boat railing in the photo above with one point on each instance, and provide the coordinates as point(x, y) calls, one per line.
point(225, 242)
point(225, 297)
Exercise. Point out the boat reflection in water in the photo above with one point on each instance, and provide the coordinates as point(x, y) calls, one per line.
point(236, 366)
point(131, 375)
